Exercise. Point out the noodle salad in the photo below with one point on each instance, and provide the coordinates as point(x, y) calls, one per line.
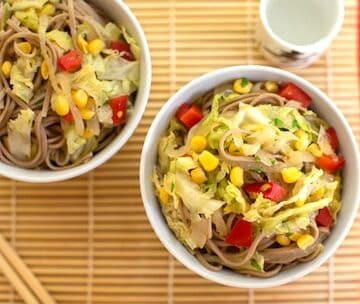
point(249, 178)
point(69, 78)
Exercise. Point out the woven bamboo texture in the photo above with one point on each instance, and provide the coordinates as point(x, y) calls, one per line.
point(88, 239)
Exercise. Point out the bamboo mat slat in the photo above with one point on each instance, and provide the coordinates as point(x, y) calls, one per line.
point(88, 239)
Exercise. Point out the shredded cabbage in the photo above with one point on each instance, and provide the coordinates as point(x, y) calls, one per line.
point(116, 68)
point(86, 80)
point(74, 141)
point(6, 11)
point(185, 164)
point(134, 47)
point(270, 225)
point(112, 32)
point(62, 39)
point(193, 198)
point(22, 75)
point(234, 199)
point(19, 134)
point(20, 5)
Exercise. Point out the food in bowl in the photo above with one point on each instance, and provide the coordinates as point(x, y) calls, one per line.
point(249, 178)
point(69, 79)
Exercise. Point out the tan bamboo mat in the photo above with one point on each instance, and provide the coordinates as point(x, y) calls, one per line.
point(88, 239)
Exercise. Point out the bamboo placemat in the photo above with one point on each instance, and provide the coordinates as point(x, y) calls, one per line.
point(88, 239)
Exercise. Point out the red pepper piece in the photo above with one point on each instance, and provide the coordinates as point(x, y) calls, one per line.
point(275, 192)
point(324, 218)
point(71, 61)
point(270, 190)
point(333, 138)
point(241, 234)
point(330, 163)
point(68, 117)
point(189, 115)
point(119, 106)
point(292, 92)
point(124, 49)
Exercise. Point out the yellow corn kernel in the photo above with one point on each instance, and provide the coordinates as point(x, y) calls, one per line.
point(271, 86)
point(48, 9)
point(25, 47)
point(198, 176)
point(208, 161)
point(242, 86)
point(294, 236)
point(61, 105)
point(44, 70)
point(283, 240)
point(6, 68)
point(88, 134)
point(237, 176)
point(198, 143)
point(299, 203)
point(303, 140)
point(305, 241)
point(87, 114)
point(290, 175)
point(80, 98)
point(234, 150)
point(314, 149)
point(318, 194)
point(82, 44)
point(96, 46)
point(164, 196)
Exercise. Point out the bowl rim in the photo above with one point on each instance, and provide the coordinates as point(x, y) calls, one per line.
point(48, 176)
point(158, 225)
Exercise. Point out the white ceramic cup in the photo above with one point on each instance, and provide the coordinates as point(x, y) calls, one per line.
point(294, 33)
point(321, 104)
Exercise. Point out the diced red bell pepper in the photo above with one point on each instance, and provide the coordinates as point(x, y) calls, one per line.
point(119, 106)
point(68, 117)
point(241, 234)
point(324, 218)
point(330, 163)
point(124, 49)
point(333, 139)
point(270, 190)
point(71, 61)
point(189, 115)
point(253, 188)
point(292, 92)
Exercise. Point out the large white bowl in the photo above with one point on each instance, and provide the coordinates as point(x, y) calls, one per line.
point(321, 104)
point(119, 13)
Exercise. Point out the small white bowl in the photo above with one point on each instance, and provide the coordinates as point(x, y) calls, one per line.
point(119, 13)
point(321, 104)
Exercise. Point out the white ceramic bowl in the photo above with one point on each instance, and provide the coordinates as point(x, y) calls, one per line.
point(118, 12)
point(321, 104)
